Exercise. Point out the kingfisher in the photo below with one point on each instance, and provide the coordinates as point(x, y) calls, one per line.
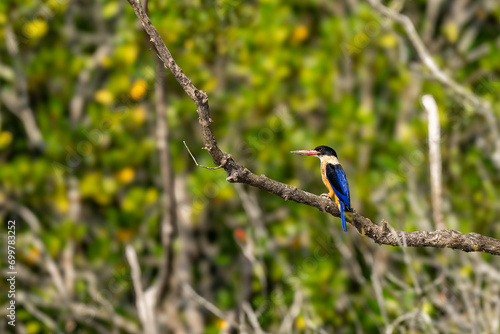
point(334, 178)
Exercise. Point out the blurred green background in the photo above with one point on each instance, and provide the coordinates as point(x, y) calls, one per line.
point(80, 170)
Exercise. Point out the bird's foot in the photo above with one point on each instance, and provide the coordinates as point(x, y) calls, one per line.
point(322, 205)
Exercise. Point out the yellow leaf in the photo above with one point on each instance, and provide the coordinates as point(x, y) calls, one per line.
point(280, 34)
point(33, 327)
point(128, 204)
point(110, 9)
point(61, 203)
point(33, 255)
point(300, 33)
point(210, 85)
point(138, 89)
point(3, 18)
point(300, 322)
point(57, 5)
point(127, 53)
point(124, 235)
point(109, 185)
point(388, 41)
point(5, 139)
point(221, 324)
point(138, 115)
point(427, 307)
point(104, 96)
point(35, 29)
point(465, 271)
point(105, 62)
point(126, 175)
point(102, 199)
point(451, 32)
point(89, 184)
point(151, 195)
point(188, 44)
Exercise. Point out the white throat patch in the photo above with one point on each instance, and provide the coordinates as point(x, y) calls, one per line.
point(329, 159)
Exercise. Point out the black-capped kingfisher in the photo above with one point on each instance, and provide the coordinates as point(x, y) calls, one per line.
point(334, 178)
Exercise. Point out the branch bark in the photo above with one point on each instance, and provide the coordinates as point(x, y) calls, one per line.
point(381, 234)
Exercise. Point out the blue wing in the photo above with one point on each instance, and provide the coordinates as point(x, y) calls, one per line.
point(336, 176)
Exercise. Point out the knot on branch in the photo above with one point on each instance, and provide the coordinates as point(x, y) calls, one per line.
point(205, 122)
point(323, 204)
point(225, 158)
point(201, 96)
point(236, 175)
point(288, 192)
point(385, 227)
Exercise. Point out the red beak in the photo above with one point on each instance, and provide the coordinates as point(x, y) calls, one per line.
point(306, 152)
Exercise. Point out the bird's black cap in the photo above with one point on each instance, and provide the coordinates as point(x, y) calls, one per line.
point(326, 150)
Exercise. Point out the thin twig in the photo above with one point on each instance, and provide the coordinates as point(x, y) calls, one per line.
point(40, 315)
point(293, 312)
point(82, 312)
point(252, 317)
point(81, 92)
point(169, 219)
point(145, 309)
point(196, 162)
point(405, 317)
point(33, 222)
point(208, 305)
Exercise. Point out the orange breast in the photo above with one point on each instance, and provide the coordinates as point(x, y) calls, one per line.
point(325, 180)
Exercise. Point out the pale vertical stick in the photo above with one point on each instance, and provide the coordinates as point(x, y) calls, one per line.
point(435, 160)
point(145, 306)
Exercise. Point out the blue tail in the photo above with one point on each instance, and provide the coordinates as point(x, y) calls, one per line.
point(342, 215)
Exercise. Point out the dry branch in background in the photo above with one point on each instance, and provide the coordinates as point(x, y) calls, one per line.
point(435, 160)
point(18, 101)
point(168, 226)
point(381, 234)
point(480, 105)
point(145, 301)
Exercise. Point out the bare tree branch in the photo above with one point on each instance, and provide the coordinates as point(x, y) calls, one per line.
point(293, 312)
point(17, 101)
point(145, 305)
point(77, 103)
point(252, 317)
point(34, 223)
point(168, 227)
point(82, 312)
point(208, 305)
point(381, 234)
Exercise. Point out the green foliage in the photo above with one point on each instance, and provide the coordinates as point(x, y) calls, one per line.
point(280, 75)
